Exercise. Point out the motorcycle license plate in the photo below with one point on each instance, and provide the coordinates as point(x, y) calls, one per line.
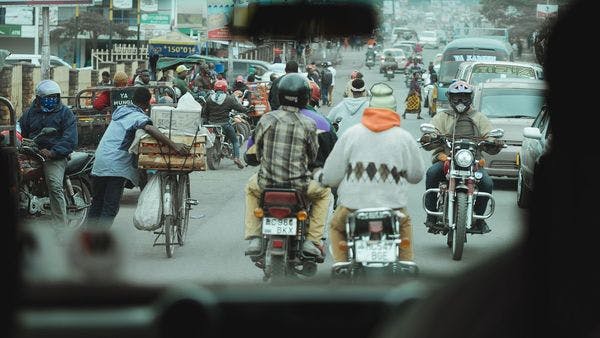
point(375, 251)
point(276, 226)
point(390, 72)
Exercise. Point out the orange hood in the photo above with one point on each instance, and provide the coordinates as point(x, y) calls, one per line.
point(380, 119)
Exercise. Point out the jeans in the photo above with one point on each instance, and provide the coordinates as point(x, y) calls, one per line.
point(54, 172)
point(231, 135)
point(324, 97)
point(106, 200)
point(435, 175)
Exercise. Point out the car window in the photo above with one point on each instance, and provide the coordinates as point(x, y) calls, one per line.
point(507, 103)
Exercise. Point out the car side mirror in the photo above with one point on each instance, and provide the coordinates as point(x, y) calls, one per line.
point(532, 133)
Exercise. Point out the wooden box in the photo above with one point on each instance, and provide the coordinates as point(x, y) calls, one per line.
point(154, 156)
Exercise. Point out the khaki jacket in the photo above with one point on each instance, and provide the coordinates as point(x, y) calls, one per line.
point(444, 122)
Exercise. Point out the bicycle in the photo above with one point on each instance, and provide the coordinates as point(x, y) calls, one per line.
point(176, 205)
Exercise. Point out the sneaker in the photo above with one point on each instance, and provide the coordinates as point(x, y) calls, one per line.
point(254, 247)
point(480, 227)
point(310, 248)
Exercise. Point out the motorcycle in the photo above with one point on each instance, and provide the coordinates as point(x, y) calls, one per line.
point(373, 243)
point(370, 62)
point(33, 193)
point(408, 75)
point(457, 194)
point(389, 73)
point(221, 148)
point(284, 215)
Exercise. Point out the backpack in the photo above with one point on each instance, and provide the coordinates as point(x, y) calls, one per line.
point(326, 78)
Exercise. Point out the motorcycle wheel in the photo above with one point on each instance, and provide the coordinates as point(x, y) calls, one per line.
point(76, 218)
point(460, 231)
point(169, 229)
point(213, 155)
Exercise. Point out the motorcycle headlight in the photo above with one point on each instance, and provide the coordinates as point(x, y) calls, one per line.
point(463, 158)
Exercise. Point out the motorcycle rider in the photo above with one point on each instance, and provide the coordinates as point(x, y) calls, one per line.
point(216, 111)
point(348, 91)
point(180, 81)
point(290, 67)
point(370, 53)
point(47, 110)
point(285, 145)
point(368, 175)
point(469, 123)
point(350, 110)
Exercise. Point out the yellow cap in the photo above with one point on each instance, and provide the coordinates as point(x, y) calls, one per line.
point(181, 68)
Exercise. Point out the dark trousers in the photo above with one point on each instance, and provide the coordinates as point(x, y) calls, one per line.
point(435, 175)
point(106, 200)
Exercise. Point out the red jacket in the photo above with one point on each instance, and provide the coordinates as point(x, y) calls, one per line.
point(102, 100)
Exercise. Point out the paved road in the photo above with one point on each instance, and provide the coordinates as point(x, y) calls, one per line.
point(213, 252)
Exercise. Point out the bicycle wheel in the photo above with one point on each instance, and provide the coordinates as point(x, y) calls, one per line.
point(169, 224)
point(184, 207)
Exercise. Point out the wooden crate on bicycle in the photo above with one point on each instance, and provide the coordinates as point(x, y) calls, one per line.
point(154, 156)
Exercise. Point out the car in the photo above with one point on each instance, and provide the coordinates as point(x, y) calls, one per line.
point(510, 104)
point(535, 143)
point(400, 34)
point(475, 72)
point(429, 39)
point(409, 48)
point(277, 69)
point(398, 55)
point(34, 59)
point(442, 36)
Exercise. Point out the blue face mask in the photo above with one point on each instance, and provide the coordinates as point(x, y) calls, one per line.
point(48, 103)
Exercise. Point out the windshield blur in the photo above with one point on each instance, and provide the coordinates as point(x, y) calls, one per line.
point(511, 102)
point(215, 203)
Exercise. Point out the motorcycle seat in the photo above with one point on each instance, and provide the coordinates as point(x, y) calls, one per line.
point(77, 162)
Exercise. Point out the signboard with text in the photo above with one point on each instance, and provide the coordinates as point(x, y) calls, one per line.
point(173, 50)
point(45, 3)
point(10, 30)
point(219, 16)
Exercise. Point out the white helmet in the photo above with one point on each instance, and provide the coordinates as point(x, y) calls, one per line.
point(47, 87)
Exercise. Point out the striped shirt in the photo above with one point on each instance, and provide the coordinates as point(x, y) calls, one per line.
point(286, 143)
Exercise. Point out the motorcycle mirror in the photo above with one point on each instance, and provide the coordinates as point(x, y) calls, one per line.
point(496, 133)
point(428, 128)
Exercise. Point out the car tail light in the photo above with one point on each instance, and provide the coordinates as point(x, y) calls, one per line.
point(279, 212)
point(277, 243)
point(280, 197)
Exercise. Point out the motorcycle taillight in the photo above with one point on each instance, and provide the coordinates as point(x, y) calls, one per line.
point(278, 212)
point(280, 197)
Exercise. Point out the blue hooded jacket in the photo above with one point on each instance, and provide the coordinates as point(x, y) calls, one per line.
point(62, 118)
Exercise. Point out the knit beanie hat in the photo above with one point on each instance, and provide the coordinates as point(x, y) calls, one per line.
point(358, 85)
point(382, 96)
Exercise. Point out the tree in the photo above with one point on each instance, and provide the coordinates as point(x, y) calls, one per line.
point(93, 24)
point(519, 15)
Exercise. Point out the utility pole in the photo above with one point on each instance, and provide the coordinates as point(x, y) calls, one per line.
point(36, 37)
point(76, 51)
point(137, 45)
point(45, 66)
point(110, 19)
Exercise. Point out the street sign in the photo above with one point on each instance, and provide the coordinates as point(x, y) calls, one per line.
point(544, 11)
point(46, 3)
point(155, 19)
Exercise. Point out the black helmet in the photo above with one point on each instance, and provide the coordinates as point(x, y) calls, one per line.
point(294, 90)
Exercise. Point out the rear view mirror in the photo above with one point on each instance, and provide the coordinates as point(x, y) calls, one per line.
point(299, 19)
point(428, 128)
point(532, 132)
point(496, 133)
